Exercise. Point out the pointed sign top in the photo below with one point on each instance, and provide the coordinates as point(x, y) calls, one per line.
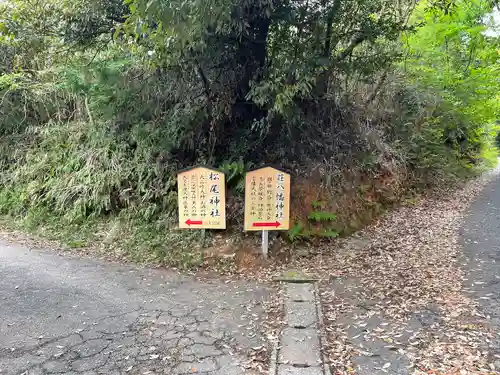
point(265, 166)
point(199, 166)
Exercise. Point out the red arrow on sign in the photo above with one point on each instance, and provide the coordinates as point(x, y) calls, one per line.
point(194, 222)
point(273, 224)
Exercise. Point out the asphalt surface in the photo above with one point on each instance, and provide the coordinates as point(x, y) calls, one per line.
point(480, 236)
point(66, 315)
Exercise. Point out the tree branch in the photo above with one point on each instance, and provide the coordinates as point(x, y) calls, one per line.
point(117, 19)
point(204, 80)
point(356, 40)
point(378, 86)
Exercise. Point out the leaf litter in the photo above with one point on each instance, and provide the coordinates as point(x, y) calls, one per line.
point(395, 291)
point(397, 287)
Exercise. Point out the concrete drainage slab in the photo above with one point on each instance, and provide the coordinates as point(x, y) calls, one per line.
point(299, 350)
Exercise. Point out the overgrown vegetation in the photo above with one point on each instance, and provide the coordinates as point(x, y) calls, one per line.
point(102, 101)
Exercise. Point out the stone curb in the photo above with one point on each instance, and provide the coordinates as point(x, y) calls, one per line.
point(321, 328)
point(299, 349)
point(273, 365)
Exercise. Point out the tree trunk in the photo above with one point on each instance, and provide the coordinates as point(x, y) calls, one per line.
point(322, 83)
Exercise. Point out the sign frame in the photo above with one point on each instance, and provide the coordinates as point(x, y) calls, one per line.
point(198, 221)
point(275, 224)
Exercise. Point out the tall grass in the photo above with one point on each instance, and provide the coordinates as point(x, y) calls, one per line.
point(75, 181)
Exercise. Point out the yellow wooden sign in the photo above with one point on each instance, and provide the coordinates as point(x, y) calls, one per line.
point(202, 198)
point(267, 200)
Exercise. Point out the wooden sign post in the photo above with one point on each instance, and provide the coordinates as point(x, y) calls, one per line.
point(267, 202)
point(202, 198)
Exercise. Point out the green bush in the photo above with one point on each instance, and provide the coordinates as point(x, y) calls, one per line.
point(94, 127)
point(77, 183)
point(80, 170)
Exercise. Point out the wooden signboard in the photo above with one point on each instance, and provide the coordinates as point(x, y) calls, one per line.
point(267, 200)
point(202, 198)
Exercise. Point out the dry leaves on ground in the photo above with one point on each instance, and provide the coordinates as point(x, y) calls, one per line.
point(403, 265)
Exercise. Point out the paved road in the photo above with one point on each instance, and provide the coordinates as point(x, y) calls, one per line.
point(65, 315)
point(481, 239)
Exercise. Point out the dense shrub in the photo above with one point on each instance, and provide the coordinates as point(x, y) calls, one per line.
point(101, 103)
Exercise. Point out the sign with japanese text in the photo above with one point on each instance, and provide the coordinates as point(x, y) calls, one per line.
point(202, 198)
point(267, 200)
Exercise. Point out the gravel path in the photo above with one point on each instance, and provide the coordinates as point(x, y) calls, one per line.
point(66, 315)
